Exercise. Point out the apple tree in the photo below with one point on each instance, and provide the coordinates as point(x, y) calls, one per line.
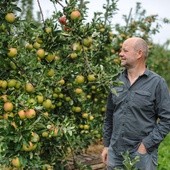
point(54, 80)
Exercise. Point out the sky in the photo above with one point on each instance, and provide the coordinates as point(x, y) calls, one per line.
point(152, 7)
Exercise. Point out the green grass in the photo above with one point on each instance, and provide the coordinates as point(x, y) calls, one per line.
point(164, 154)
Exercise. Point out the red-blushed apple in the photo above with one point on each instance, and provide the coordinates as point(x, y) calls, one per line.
point(75, 15)
point(30, 113)
point(8, 106)
point(63, 20)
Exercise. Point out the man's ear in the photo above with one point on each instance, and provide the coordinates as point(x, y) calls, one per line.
point(140, 53)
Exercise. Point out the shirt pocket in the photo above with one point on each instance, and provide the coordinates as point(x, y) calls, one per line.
point(117, 94)
point(142, 98)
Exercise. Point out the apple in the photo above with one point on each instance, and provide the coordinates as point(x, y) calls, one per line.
point(61, 82)
point(50, 57)
point(79, 79)
point(16, 162)
point(50, 72)
point(41, 53)
point(48, 30)
point(62, 20)
point(18, 85)
point(87, 41)
point(10, 17)
point(77, 109)
point(29, 147)
point(61, 95)
point(81, 126)
point(45, 134)
point(91, 117)
point(78, 90)
point(4, 84)
point(21, 114)
point(12, 52)
point(12, 83)
point(29, 46)
point(77, 47)
point(36, 45)
point(8, 106)
point(47, 104)
point(75, 15)
point(68, 99)
point(31, 101)
point(85, 115)
point(30, 113)
point(86, 127)
point(39, 40)
point(91, 77)
point(73, 55)
point(40, 98)
point(34, 137)
point(4, 97)
point(29, 88)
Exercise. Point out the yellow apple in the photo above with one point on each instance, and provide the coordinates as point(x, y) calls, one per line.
point(40, 98)
point(47, 104)
point(21, 114)
point(12, 52)
point(79, 79)
point(48, 30)
point(41, 53)
point(91, 77)
point(12, 83)
point(50, 57)
point(29, 88)
point(10, 17)
point(85, 115)
point(78, 90)
point(16, 162)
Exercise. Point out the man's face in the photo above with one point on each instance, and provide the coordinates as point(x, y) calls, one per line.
point(128, 55)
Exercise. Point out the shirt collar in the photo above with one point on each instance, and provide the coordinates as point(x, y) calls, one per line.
point(146, 73)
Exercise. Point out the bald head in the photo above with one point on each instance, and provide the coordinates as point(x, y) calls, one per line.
point(138, 44)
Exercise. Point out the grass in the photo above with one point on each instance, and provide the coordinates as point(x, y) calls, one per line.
point(164, 154)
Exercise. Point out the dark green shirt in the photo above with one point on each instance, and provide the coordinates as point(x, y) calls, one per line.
point(137, 113)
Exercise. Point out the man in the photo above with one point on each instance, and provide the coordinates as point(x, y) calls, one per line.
point(138, 114)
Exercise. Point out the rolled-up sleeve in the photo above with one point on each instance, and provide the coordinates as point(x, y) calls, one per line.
point(162, 108)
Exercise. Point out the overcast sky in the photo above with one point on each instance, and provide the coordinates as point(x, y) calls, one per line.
point(160, 7)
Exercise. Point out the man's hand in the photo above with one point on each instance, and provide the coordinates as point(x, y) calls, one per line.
point(142, 149)
point(104, 155)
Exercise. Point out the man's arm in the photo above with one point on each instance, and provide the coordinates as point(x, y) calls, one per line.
point(162, 108)
point(108, 122)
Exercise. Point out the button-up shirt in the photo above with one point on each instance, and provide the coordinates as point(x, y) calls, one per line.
point(137, 113)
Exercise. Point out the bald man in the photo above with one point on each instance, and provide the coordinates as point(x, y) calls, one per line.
point(137, 117)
